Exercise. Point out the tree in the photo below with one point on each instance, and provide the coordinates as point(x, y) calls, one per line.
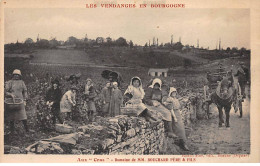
point(28, 41)
point(72, 41)
point(234, 49)
point(177, 46)
point(228, 49)
point(109, 40)
point(99, 40)
point(243, 49)
point(53, 43)
point(121, 42)
point(43, 43)
point(131, 44)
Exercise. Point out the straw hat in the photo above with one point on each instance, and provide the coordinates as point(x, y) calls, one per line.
point(18, 72)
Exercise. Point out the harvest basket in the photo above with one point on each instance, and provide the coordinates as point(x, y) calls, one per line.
point(13, 104)
point(129, 109)
point(63, 128)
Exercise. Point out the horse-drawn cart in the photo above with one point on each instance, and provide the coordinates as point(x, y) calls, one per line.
point(215, 88)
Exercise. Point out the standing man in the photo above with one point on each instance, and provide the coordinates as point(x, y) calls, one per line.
point(243, 77)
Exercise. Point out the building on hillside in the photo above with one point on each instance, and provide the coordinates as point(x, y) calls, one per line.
point(158, 72)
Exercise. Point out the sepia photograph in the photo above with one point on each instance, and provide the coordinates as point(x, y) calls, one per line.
point(133, 81)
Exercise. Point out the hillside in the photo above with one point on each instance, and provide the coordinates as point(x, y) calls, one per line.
point(108, 57)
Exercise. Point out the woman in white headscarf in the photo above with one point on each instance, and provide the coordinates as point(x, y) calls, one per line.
point(136, 94)
point(16, 88)
point(153, 98)
point(172, 103)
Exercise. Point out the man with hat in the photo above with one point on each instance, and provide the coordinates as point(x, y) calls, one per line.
point(53, 98)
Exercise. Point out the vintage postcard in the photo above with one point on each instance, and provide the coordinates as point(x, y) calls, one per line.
point(129, 81)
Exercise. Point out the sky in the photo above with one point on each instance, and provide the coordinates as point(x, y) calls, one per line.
point(138, 25)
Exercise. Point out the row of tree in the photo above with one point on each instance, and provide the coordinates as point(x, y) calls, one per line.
point(106, 42)
point(71, 41)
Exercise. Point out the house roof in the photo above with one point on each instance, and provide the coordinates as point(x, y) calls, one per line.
point(158, 70)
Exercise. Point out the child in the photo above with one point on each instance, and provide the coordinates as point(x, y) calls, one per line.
point(136, 94)
point(170, 103)
point(90, 95)
point(173, 104)
point(116, 100)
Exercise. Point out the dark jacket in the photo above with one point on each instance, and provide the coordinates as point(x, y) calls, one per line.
point(106, 94)
point(243, 75)
point(54, 95)
point(92, 94)
point(152, 94)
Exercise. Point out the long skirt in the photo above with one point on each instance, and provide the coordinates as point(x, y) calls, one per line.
point(178, 127)
point(11, 115)
point(91, 105)
point(105, 108)
point(65, 106)
point(166, 114)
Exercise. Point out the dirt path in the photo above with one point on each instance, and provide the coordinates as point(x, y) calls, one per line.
point(208, 138)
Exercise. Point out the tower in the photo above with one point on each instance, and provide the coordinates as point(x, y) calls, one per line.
point(38, 38)
point(153, 41)
point(86, 37)
point(171, 40)
point(157, 42)
point(180, 39)
point(219, 46)
point(198, 43)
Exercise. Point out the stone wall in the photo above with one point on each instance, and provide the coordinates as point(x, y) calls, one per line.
point(118, 135)
point(113, 136)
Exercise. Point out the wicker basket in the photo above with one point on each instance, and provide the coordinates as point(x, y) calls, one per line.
point(13, 104)
point(129, 110)
point(63, 128)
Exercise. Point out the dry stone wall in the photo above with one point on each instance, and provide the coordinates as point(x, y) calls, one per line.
point(108, 136)
point(116, 135)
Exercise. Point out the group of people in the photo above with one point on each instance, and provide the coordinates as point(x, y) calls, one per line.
point(155, 98)
point(112, 99)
